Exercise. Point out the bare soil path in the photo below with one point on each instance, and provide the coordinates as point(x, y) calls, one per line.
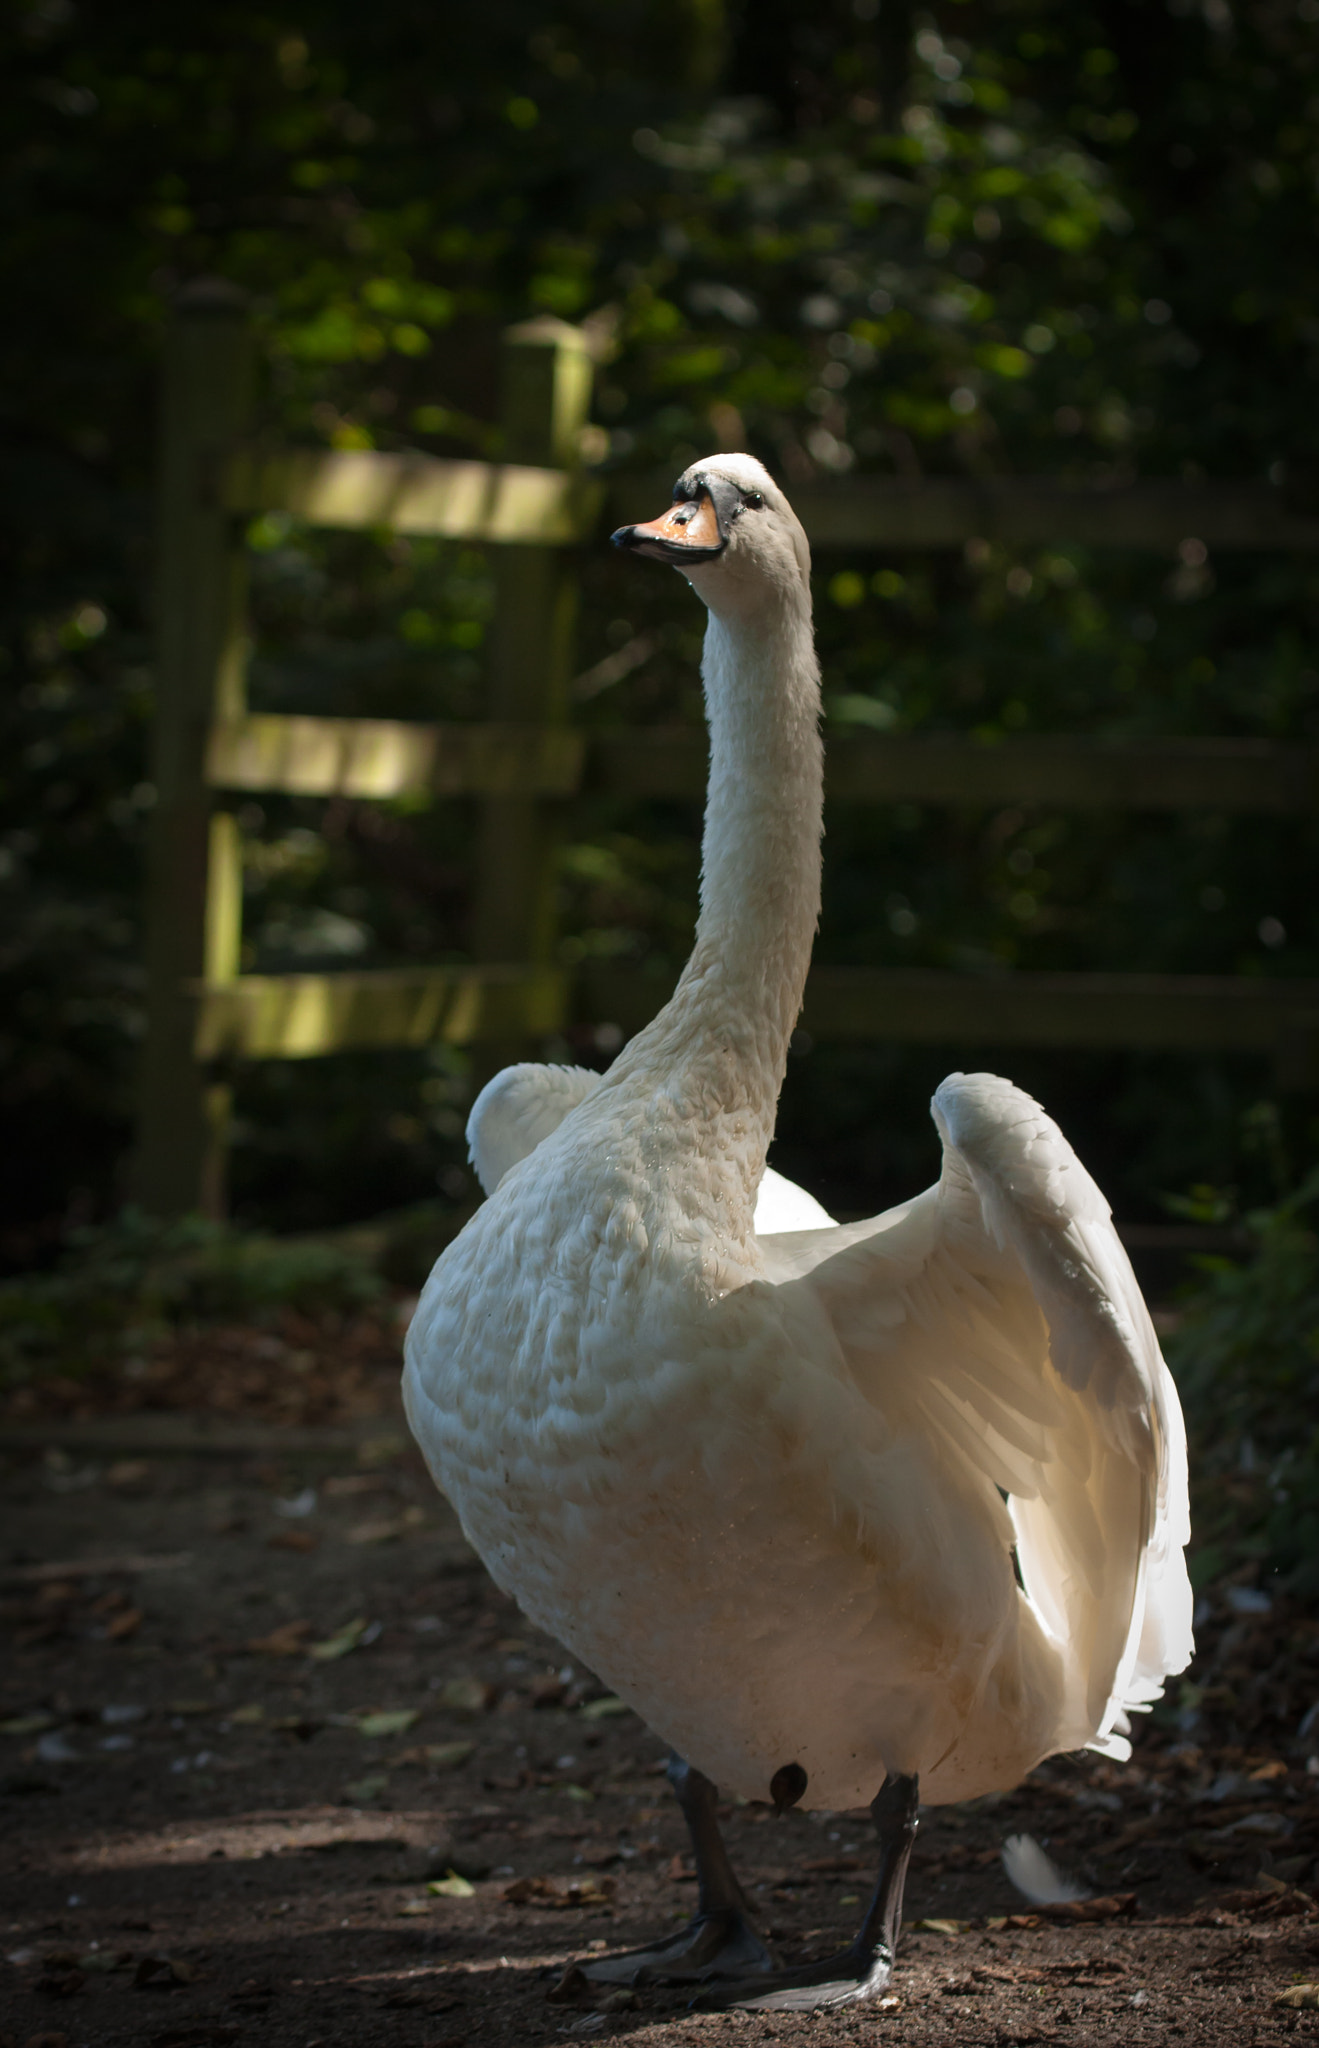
point(280, 1765)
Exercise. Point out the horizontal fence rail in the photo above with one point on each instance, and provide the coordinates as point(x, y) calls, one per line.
point(356, 489)
point(303, 1016)
point(945, 512)
point(493, 502)
point(383, 757)
point(378, 757)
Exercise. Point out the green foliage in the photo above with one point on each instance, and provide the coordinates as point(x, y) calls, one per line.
point(994, 236)
point(119, 1284)
point(1246, 1357)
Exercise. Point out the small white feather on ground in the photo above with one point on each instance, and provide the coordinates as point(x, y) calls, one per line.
point(1036, 1876)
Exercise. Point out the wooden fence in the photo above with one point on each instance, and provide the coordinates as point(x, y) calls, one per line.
point(528, 761)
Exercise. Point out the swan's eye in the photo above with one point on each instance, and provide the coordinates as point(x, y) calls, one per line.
point(753, 500)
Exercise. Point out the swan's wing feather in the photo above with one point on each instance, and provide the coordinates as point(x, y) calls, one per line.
point(998, 1317)
point(517, 1110)
point(1118, 1468)
point(781, 1206)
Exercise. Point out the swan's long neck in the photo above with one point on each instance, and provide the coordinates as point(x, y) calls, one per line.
point(719, 1049)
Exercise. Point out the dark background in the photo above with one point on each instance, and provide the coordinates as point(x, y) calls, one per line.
point(1000, 236)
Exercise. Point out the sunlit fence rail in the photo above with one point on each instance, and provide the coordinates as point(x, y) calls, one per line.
point(527, 761)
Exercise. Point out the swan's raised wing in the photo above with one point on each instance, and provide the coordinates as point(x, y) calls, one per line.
point(517, 1110)
point(999, 1317)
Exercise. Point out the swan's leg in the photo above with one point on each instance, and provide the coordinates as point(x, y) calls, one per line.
point(863, 1970)
point(720, 1940)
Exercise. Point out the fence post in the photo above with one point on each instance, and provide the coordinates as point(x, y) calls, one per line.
point(545, 399)
point(193, 873)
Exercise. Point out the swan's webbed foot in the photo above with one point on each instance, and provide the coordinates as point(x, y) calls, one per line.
point(852, 1975)
point(720, 1941)
point(865, 1969)
point(714, 1945)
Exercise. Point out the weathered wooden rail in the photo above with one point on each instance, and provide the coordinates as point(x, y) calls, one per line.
point(522, 765)
point(380, 757)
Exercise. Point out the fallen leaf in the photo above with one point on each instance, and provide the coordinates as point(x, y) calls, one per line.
point(26, 1724)
point(293, 1539)
point(288, 1640)
point(248, 1716)
point(941, 1926)
point(451, 1887)
point(392, 1721)
point(1300, 1997)
point(385, 1530)
point(604, 1709)
point(410, 1908)
point(124, 1625)
point(465, 1696)
point(362, 1791)
point(340, 1643)
point(446, 1756)
point(546, 1891)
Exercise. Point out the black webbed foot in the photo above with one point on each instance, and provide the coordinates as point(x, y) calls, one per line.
point(865, 1969)
point(714, 1945)
point(720, 1941)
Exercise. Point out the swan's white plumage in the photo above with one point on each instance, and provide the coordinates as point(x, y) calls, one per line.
point(756, 1478)
point(523, 1104)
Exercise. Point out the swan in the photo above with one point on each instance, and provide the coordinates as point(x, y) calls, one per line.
point(871, 1513)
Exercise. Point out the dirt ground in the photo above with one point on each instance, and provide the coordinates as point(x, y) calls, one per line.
point(279, 1765)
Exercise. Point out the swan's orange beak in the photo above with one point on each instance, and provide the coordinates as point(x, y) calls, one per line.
point(689, 531)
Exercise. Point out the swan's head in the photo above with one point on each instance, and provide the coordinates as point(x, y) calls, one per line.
point(731, 533)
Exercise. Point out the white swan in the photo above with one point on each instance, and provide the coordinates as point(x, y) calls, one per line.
point(772, 1487)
